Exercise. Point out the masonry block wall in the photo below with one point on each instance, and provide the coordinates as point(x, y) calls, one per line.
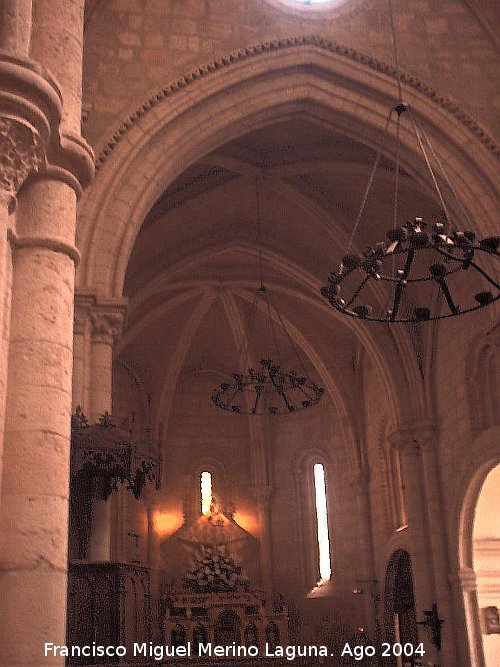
point(145, 277)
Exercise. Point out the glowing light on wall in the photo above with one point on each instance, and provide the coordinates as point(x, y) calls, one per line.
point(325, 569)
point(247, 521)
point(166, 523)
point(206, 492)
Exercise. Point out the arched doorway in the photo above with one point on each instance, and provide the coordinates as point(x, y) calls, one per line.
point(227, 628)
point(486, 562)
point(400, 615)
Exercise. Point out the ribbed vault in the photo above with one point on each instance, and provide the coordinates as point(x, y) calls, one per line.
point(170, 223)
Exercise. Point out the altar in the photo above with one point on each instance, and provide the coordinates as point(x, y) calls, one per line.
point(215, 612)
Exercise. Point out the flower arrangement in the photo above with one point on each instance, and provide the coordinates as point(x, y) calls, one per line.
point(214, 571)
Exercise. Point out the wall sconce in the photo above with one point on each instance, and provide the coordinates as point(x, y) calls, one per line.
point(434, 623)
point(491, 620)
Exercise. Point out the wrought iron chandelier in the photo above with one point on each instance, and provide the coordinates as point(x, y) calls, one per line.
point(421, 271)
point(267, 388)
point(112, 454)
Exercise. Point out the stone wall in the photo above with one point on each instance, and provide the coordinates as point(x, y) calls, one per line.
point(133, 50)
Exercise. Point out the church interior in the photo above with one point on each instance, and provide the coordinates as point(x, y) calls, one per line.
point(249, 273)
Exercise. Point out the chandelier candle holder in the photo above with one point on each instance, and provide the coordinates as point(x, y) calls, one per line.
point(422, 271)
point(111, 455)
point(267, 387)
point(412, 257)
point(268, 391)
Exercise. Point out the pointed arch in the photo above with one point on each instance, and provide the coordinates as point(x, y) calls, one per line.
point(308, 77)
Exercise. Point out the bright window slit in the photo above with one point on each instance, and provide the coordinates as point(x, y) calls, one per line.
point(325, 569)
point(206, 492)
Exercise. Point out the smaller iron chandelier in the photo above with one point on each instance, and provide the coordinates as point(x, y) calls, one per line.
point(272, 389)
point(447, 256)
point(110, 454)
point(269, 391)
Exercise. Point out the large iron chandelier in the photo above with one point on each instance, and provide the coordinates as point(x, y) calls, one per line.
point(267, 387)
point(421, 271)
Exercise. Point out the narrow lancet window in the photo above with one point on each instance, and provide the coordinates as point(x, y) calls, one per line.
point(325, 570)
point(206, 492)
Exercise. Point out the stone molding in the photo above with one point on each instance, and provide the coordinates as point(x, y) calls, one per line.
point(72, 161)
point(22, 153)
point(30, 98)
point(480, 373)
point(56, 245)
point(414, 437)
point(487, 547)
point(309, 40)
point(465, 579)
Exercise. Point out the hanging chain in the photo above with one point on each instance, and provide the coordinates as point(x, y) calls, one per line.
point(444, 174)
point(395, 51)
point(259, 231)
point(367, 189)
point(429, 167)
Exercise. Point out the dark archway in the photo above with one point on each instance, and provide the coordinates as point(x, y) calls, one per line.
point(227, 628)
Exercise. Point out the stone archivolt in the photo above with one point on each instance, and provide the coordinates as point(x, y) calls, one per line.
point(276, 45)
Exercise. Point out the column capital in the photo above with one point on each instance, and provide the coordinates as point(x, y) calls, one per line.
point(22, 154)
point(465, 579)
point(415, 436)
point(107, 325)
point(107, 316)
point(83, 307)
point(31, 112)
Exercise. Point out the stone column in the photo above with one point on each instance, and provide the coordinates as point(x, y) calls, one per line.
point(22, 153)
point(19, 150)
point(106, 328)
point(360, 481)
point(81, 362)
point(5, 291)
point(15, 27)
point(464, 593)
point(33, 525)
point(436, 513)
point(35, 484)
point(263, 497)
point(417, 523)
point(106, 325)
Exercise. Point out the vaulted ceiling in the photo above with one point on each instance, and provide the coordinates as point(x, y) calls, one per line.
point(195, 267)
